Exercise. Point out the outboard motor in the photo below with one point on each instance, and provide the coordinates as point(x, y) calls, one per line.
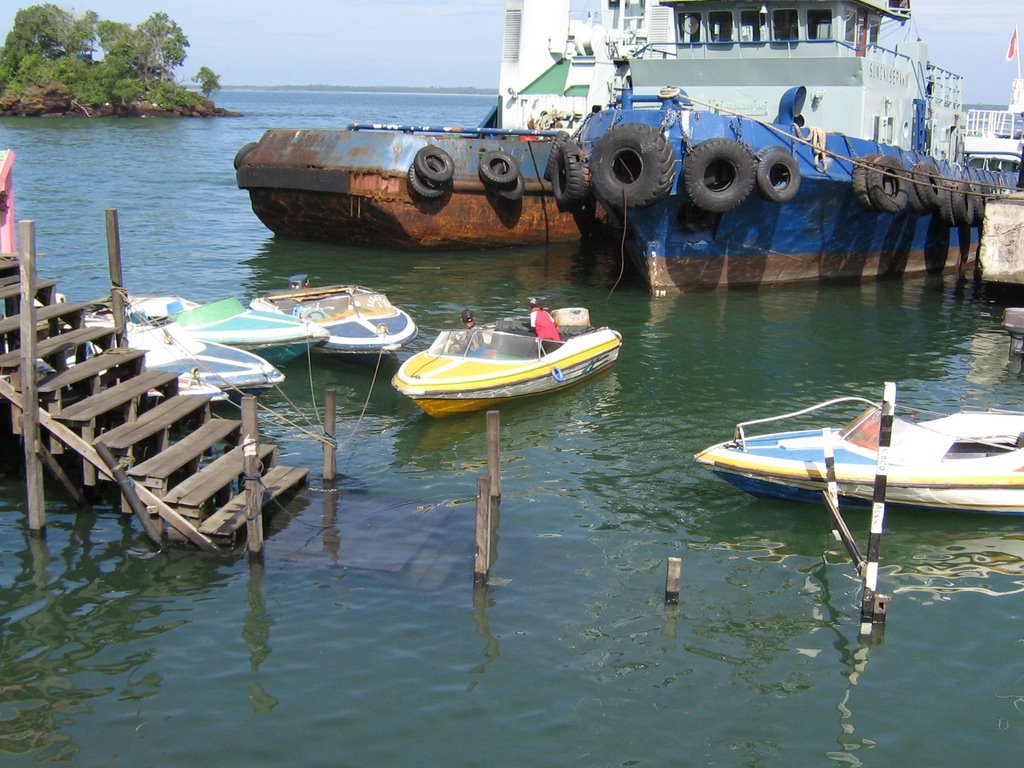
point(297, 282)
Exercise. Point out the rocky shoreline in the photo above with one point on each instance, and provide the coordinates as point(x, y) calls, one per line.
point(54, 100)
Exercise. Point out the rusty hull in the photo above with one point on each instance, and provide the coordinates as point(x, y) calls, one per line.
point(352, 186)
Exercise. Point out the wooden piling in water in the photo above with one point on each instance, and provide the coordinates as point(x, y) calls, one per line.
point(673, 573)
point(330, 444)
point(253, 486)
point(117, 293)
point(494, 452)
point(30, 397)
point(482, 561)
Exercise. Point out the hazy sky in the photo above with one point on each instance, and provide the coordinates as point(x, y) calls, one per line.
point(448, 43)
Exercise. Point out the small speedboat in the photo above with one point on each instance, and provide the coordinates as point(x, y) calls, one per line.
point(200, 365)
point(470, 370)
point(965, 462)
point(275, 337)
point(359, 321)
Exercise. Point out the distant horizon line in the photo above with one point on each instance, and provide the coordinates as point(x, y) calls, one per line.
point(461, 89)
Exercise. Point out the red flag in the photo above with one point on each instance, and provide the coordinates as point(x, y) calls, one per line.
point(1011, 52)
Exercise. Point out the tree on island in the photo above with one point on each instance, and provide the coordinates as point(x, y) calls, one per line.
point(98, 66)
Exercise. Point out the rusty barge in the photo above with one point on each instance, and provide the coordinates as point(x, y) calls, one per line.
point(412, 188)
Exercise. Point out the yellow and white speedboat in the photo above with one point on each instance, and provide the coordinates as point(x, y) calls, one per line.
point(470, 370)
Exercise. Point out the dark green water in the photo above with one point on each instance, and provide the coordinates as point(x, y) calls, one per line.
point(362, 641)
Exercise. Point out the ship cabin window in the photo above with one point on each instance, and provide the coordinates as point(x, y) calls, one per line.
point(689, 28)
point(633, 15)
point(785, 24)
point(753, 26)
point(819, 25)
point(860, 28)
point(720, 26)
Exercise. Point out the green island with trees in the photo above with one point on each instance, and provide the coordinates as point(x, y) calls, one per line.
point(56, 62)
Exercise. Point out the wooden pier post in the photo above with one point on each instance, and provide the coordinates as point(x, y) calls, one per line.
point(840, 529)
point(30, 395)
point(330, 444)
point(253, 486)
point(874, 606)
point(494, 452)
point(150, 525)
point(116, 278)
point(673, 572)
point(482, 562)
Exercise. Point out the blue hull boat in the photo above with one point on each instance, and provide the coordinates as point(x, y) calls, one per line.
point(785, 145)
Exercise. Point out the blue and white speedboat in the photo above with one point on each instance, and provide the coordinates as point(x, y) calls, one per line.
point(753, 145)
point(360, 322)
point(962, 462)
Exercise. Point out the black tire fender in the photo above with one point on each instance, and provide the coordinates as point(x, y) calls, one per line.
point(498, 169)
point(719, 174)
point(880, 181)
point(924, 178)
point(633, 165)
point(778, 174)
point(422, 189)
point(434, 165)
point(568, 180)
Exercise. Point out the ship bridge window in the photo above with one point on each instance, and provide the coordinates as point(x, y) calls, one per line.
point(819, 25)
point(753, 26)
point(785, 24)
point(689, 28)
point(720, 26)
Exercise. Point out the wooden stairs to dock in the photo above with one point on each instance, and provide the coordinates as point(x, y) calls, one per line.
point(186, 463)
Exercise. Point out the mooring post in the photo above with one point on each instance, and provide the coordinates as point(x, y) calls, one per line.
point(874, 606)
point(116, 278)
point(330, 443)
point(253, 487)
point(494, 452)
point(673, 572)
point(29, 393)
point(482, 562)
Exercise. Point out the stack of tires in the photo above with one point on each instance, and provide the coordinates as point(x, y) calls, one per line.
point(501, 175)
point(431, 173)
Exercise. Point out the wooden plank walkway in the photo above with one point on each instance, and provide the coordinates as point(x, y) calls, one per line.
point(186, 461)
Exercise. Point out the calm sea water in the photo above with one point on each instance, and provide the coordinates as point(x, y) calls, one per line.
point(362, 641)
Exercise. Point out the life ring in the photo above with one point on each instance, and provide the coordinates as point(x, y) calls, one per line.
point(422, 189)
point(568, 180)
point(434, 165)
point(927, 186)
point(778, 174)
point(241, 154)
point(498, 169)
point(556, 374)
point(718, 174)
point(633, 165)
point(879, 183)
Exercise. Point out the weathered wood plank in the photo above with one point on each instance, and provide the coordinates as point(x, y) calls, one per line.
point(229, 518)
point(112, 359)
point(71, 313)
point(163, 416)
point(116, 396)
point(154, 472)
point(213, 478)
point(49, 349)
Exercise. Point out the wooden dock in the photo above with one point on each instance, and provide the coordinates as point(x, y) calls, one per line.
point(100, 415)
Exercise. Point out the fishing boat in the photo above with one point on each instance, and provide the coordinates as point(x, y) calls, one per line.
point(474, 369)
point(275, 337)
point(446, 187)
point(358, 322)
point(201, 365)
point(963, 462)
point(754, 146)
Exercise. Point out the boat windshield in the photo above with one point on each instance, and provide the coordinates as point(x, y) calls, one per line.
point(486, 343)
point(862, 431)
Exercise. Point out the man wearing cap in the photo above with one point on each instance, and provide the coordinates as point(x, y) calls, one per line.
point(471, 337)
point(541, 321)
